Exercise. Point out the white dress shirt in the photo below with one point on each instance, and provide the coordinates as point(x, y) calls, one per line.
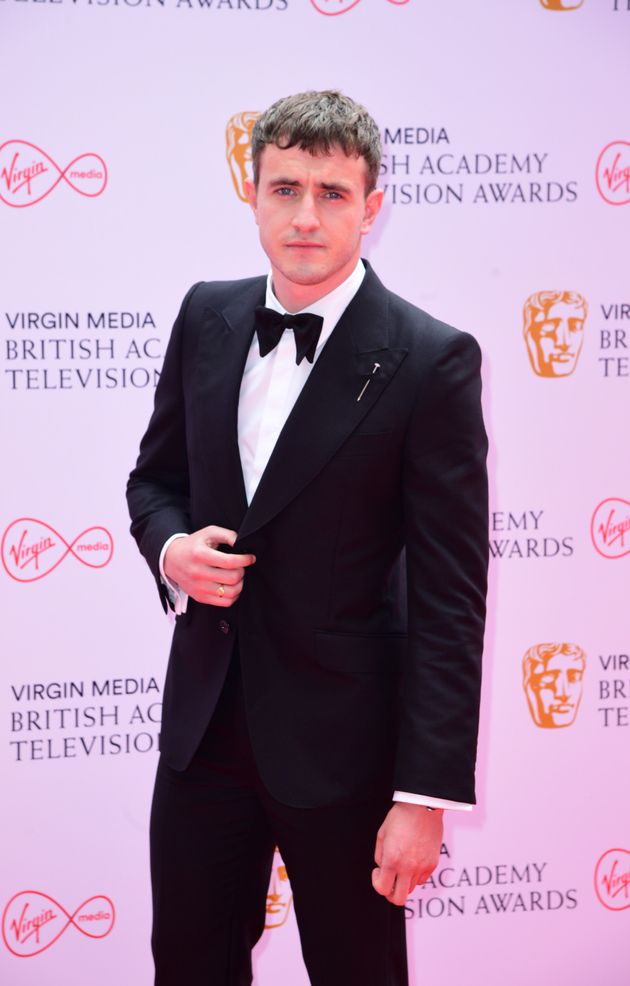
point(269, 389)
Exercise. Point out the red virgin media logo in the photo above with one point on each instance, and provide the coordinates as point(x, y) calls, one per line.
point(612, 879)
point(31, 549)
point(612, 173)
point(332, 8)
point(32, 921)
point(28, 174)
point(610, 528)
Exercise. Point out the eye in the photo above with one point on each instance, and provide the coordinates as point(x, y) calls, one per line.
point(285, 191)
point(332, 195)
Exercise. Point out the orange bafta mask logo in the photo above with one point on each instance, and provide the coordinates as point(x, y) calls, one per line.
point(238, 149)
point(279, 896)
point(553, 326)
point(552, 679)
point(562, 4)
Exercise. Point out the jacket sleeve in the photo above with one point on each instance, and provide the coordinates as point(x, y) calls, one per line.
point(446, 534)
point(158, 487)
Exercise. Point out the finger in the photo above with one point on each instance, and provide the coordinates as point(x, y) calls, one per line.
point(208, 599)
point(214, 535)
point(207, 557)
point(221, 576)
point(224, 595)
point(220, 594)
point(415, 881)
point(400, 891)
point(378, 851)
point(383, 880)
point(420, 878)
point(222, 560)
point(225, 591)
point(207, 580)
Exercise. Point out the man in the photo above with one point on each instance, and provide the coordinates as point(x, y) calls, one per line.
point(312, 487)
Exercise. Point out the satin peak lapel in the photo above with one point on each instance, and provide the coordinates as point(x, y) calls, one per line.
point(223, 347)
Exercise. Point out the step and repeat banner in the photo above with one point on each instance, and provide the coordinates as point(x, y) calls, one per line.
point(124, 146)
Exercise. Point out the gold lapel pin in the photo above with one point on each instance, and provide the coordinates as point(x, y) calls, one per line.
point(365, 385)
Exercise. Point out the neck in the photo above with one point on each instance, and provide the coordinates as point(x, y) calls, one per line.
point(294, 297)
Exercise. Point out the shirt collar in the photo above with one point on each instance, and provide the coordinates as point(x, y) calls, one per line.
point(331, 307)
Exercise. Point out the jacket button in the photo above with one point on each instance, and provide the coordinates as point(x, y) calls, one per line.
point(224, 626)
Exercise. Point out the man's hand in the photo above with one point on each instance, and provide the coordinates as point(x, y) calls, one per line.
point(207, 575)
point(407, 850)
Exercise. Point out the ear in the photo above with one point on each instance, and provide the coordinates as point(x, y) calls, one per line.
point(252, 198)
point(373, 205)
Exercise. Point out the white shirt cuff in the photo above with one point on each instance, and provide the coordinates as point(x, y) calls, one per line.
point(428, 802)
point(177, 596)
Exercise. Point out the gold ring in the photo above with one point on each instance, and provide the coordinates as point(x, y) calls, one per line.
point(220, 590)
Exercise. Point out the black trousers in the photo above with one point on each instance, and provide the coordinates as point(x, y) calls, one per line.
point(214, 828)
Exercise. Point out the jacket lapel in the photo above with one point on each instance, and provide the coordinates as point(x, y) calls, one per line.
point(327, 410)
point(223, 347)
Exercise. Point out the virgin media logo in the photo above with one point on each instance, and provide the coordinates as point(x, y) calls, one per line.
point(28, 174)
point(612, 173)
point(31, 549)
point(612, 879)
point(32, 921)
point(610, 528)
point(332, 8)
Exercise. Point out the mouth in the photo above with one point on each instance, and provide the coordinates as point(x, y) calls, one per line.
point(304, 244)
point(561, 358)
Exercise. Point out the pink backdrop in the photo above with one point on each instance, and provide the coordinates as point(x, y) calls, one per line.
point(507, 175)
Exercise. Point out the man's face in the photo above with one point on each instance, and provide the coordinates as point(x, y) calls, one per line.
point(279, 896)
point(312, 212)
point(554, 689)
point(555, 338)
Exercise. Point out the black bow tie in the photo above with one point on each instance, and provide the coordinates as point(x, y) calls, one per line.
point(271, 324)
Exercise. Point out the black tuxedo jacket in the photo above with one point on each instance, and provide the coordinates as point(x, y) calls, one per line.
point(360, 625)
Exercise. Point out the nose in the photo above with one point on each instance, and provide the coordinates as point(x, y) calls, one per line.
point(305, 218)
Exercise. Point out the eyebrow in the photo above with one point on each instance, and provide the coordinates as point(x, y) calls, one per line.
point(335, 186)
point(328, 186)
